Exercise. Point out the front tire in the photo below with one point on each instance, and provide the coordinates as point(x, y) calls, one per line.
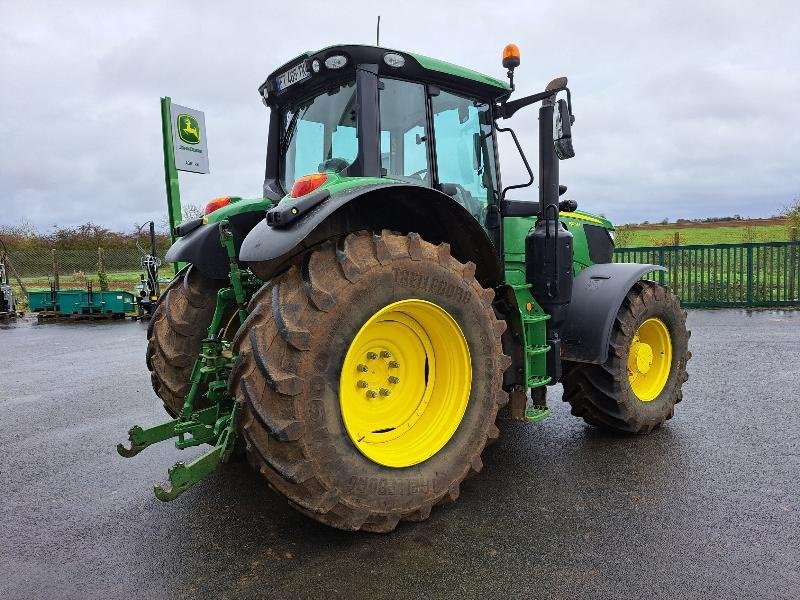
point(299, 355)
point(175, 335)
point(637, 388)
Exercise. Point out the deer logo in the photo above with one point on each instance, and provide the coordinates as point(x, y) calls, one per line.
point(188, 129)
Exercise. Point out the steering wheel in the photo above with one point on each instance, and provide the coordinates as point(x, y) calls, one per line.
point(334, 164)
point(419, 174)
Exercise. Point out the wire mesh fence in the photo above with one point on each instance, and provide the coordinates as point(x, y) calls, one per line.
point(39, 269)
point(720, 275)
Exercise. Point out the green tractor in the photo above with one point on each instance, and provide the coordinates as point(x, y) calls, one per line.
point(355, 331)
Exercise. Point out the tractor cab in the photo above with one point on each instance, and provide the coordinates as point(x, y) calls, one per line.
point(363, 111)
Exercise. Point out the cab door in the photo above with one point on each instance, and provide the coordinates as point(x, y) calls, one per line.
point(464, 151)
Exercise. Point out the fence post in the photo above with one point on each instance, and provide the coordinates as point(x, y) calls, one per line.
point(55, 270)
point(793, 248)
point(749, 275)
point(661, 262)
point(101, 270)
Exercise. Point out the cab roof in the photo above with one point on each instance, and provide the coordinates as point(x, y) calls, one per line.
point(415, 68)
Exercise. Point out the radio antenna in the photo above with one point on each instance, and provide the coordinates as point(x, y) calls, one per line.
point(378, 32)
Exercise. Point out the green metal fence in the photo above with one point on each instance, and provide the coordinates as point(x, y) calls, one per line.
point(720, 275)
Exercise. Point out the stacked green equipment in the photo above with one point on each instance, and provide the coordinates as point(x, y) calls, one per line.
point(82, 303)
point(356, 330)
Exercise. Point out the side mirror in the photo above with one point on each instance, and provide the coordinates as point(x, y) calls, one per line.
point(563, 131)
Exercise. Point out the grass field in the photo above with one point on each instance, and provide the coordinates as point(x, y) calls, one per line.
point(726, 232)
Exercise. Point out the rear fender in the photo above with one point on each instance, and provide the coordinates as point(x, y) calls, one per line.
point(400, 207)
point(597, 294)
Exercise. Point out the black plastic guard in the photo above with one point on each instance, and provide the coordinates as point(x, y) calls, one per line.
point(202, 248)
point(597, 294)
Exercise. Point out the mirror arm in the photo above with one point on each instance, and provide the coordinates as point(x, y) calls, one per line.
point(507, 109)
point(569, 106)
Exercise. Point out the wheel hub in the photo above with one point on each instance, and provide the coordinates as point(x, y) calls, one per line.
point(379, 372)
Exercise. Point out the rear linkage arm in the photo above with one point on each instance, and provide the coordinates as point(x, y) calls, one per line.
point(216, 424)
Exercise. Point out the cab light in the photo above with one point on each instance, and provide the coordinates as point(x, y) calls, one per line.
point(307, 184)
point(511, 56)
point(216, 203)
point(394, 60)
point(337, 61)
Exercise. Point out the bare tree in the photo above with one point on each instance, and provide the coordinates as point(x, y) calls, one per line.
point(792, 212)
point(191, 211)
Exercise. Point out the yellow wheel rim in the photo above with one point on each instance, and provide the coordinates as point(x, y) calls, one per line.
point(650, 359)
point(405, 383)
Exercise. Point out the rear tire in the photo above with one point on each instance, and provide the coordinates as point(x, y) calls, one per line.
point(289, 367)
point(175, 334)
point(603, 395)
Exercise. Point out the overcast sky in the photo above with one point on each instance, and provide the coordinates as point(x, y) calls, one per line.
point(684, 108)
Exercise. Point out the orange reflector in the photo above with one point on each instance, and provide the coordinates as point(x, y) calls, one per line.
point(307, 184)
point(511, 56)
point(216, 203)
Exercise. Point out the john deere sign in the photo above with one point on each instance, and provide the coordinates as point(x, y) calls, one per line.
point(188, 129)
point(189, 139)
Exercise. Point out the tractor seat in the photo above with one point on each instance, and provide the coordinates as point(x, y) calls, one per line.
point(464, 198)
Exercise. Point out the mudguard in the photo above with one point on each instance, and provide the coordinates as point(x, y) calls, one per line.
point(202, 248)
point(597, 293)
point(404, 207)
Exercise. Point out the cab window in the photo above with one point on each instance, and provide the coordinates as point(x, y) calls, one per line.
point(319, 135)
point(404, 145)
point(465, 151)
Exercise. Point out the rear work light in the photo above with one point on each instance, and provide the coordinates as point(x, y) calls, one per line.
point(307, 184)
point(216, 203)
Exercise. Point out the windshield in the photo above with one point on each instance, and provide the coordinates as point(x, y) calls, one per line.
point(319, 135)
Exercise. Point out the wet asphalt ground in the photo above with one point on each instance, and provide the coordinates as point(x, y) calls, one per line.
point(706, 507)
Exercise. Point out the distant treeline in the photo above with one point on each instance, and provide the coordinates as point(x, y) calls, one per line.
point(710, 222)
point(730, 221)
point(89, 237)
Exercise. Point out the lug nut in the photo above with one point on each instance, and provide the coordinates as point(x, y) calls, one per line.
point(371, 394)
point(394, 365)
point(363, 368)
point(371, 355)
point(393, 379)
point(385, 392)
point(386, 354)
point(362, 384)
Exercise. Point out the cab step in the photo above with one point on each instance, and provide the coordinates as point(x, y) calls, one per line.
point(535, 414)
